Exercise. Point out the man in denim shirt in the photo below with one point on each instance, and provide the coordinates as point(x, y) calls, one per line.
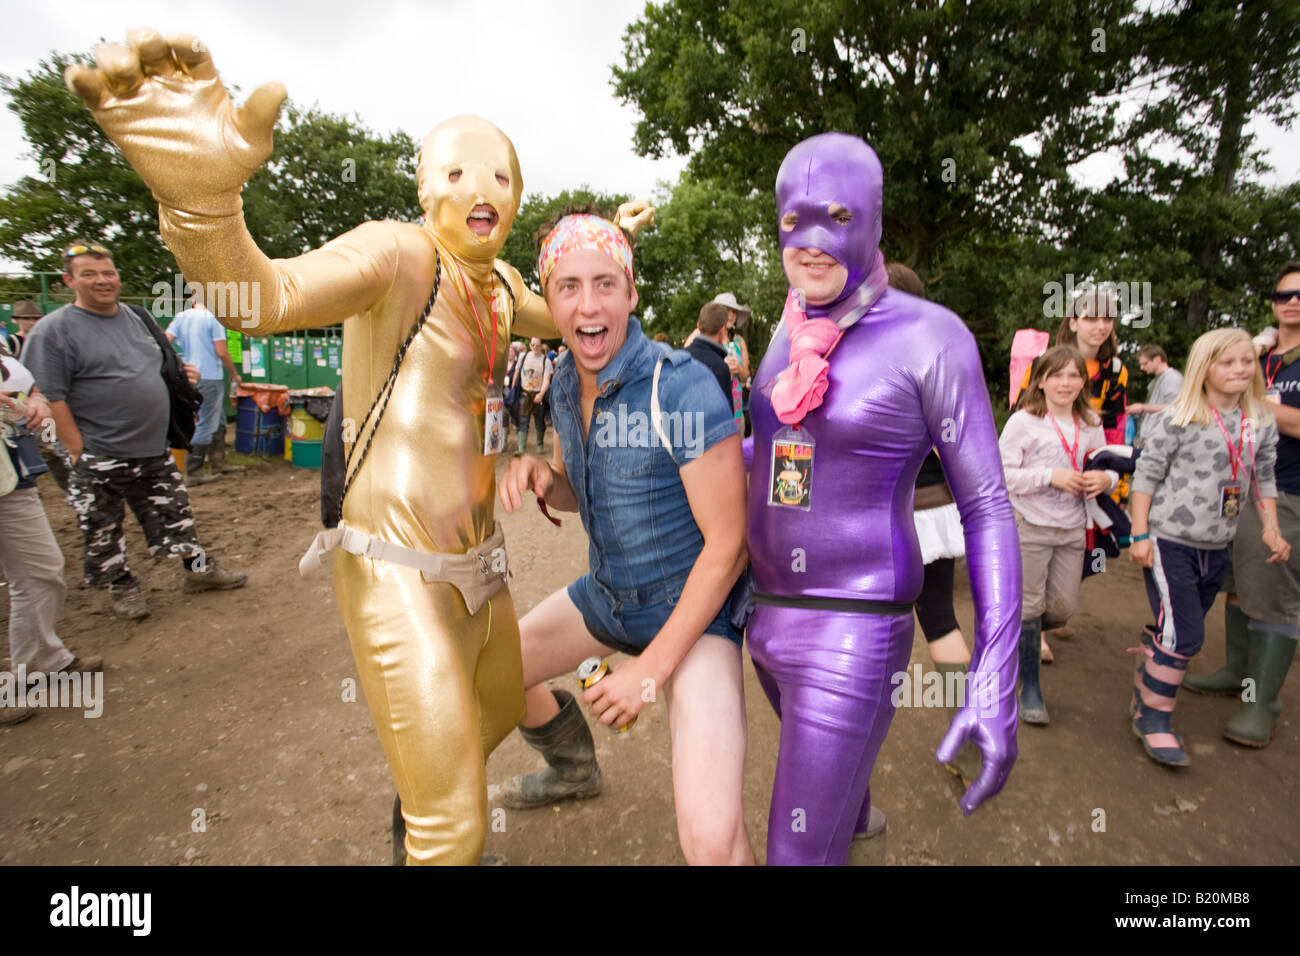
point(663, 504)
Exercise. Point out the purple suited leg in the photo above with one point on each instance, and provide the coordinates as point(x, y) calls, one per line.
point(831, 672)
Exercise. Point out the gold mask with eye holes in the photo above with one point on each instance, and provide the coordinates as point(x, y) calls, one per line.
point(477, 156)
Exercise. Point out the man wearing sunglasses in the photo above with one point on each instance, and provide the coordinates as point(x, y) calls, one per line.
point(1262, 616)
point(100, 369)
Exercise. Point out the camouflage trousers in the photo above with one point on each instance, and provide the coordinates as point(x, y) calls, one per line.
point(99, 486)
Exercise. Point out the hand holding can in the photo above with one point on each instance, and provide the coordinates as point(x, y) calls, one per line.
point(591, 672)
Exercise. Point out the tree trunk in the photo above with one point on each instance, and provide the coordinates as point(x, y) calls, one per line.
point(1223, 173)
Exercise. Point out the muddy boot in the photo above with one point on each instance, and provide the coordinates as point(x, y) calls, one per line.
point(213, 577)
point(968, 761)
point(1033, 710)
point(1227, 679)
point(219, 465)
point(79, 665)
point(1270, 657)
point(565, 743)
point(127, 599)
point(194, 474)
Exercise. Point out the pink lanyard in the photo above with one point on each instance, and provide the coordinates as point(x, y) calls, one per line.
point(1234, 454)
point(1072, 452)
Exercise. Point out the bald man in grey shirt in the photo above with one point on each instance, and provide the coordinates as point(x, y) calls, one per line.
point(101, 370)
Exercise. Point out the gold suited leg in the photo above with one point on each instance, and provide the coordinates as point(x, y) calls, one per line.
point(444, 688)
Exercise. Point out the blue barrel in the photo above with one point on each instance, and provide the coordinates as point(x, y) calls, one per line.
point(258, 432)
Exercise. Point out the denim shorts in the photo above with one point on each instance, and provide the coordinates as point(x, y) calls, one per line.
point(630, 630)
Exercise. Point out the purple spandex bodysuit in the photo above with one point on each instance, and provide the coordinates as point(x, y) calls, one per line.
point(904, 376)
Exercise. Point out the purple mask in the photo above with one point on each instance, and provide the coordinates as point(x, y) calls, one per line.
point(835, 168)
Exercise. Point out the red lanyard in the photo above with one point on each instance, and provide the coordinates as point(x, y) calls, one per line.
point(1269, 376)
point(1072, 452)
point(1234, 454)
point(469, 295)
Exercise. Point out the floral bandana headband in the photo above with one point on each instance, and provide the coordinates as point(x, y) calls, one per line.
point(573, 233)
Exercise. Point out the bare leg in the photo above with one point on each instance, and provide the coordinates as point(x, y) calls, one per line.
point(950, 649)
point(554, 640)
point(706, 717)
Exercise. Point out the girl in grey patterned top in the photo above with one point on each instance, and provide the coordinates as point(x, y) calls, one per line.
point(1202, 458)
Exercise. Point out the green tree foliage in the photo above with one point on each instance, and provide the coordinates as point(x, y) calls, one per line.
point(1191, 213)
point(84, 187)
point(946, 93)
point(327, 174)
point(708, 239)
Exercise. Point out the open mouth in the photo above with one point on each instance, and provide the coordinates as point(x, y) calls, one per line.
point(482, 219)
point(590, 339)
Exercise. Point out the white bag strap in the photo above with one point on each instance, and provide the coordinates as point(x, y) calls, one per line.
point(655, 415)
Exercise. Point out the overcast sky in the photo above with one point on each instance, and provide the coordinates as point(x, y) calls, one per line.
point(539, 70)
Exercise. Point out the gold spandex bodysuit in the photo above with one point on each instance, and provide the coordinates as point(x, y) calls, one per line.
point(444, 687)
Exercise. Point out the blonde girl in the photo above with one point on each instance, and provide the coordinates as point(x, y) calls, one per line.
point(1203, 458)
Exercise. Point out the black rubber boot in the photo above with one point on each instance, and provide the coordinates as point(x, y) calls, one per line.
point(399, 841)
point(565, 743)
point(1227, 679)
point(194, 466)
point(1033, 710)
point(399, 833)
point(219, 466)
point(966, 765)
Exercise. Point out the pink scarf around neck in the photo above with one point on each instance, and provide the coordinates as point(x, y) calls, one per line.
point(800, 386)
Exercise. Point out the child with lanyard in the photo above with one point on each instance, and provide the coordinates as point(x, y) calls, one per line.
point(1043, 448)
point(1200, 456)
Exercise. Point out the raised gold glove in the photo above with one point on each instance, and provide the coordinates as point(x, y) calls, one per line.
point(635, 216)
point(163, 104)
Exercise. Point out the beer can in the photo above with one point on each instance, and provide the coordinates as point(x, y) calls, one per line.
point(591, 672)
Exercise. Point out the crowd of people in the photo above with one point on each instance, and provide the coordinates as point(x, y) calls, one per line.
point(806, 510)
point(1215, 461)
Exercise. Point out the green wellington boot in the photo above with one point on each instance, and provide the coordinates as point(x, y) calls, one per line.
point(570, 753)
point(968, 761)
point(1227, 679)
point(1270, 657)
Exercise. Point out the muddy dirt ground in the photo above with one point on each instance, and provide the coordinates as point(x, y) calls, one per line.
point(232, 704)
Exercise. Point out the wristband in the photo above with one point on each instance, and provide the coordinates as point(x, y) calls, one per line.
point(1139, 537)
